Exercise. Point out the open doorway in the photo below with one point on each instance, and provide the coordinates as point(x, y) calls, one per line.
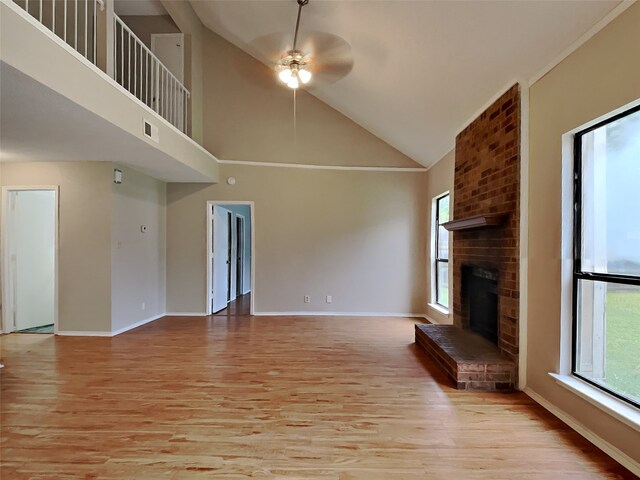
point(29, 273)
point(230, 266)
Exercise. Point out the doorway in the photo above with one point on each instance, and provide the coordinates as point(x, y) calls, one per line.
point(230, 245)
point(240, 241)
point(30, 226)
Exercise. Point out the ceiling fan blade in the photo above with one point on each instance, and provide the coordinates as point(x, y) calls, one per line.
point(272, 47)
point(324, 47)
point(329, 73)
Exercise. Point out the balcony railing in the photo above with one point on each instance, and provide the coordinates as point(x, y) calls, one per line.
point(141, 72)
point(74, 21)
point(135, 66)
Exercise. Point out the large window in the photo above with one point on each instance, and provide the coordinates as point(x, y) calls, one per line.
point(441, 256)
point(606, 285)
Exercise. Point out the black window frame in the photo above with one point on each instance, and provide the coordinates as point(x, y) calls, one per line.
point(437, 259)
point(578, 273)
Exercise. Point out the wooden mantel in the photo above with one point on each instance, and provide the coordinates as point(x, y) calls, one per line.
point(478, 221)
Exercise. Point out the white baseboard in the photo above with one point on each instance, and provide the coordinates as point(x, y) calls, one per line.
point(598, 441)
point(186, 314)
point(80, 333)
point(136, 325)
point(338, 314)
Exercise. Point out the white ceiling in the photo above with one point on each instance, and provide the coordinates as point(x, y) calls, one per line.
point(422, 68)
point(38, 125)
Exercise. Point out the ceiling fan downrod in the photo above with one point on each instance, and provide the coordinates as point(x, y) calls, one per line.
point(301, 3)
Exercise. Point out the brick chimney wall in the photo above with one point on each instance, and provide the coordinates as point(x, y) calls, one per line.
point(487, 180)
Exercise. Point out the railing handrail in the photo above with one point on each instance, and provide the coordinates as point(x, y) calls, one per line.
point(117, 19)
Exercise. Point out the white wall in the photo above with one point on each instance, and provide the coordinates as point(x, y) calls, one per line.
point(137, 258)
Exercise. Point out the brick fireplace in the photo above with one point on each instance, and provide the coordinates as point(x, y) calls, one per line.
point(480, 351)
point(487, 180)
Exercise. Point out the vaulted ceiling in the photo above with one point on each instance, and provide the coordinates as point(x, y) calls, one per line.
point(422, 68)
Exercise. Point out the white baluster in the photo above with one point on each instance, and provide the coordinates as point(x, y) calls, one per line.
point(121, 54)
point(75, 40)
point(146, 77)
point(129, 61)
point(135, 67)
point(86, 29)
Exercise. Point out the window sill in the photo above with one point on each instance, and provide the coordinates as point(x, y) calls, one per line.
point(617, 408)
point(439, 308)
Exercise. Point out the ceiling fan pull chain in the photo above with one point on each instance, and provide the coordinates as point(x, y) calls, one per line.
point(295, 121)
point(301, 3)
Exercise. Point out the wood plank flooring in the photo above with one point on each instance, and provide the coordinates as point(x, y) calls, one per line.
point(269, 397)
point(241, 306)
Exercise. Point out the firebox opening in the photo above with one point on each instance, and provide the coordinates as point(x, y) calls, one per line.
point(481, 295)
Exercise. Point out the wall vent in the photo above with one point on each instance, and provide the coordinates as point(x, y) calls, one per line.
point(150, 131)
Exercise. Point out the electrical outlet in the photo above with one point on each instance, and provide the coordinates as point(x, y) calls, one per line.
point(307, 299)
point(329, 299)
point(144, 306)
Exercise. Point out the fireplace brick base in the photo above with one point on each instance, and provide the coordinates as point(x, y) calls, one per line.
point(470, 361)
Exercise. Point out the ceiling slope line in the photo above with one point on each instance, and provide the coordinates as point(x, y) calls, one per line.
point(323, 167)
point(584, 38)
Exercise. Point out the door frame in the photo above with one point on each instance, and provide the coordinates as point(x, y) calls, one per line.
point(209, 213)
point(8, 322)
point(240, 258)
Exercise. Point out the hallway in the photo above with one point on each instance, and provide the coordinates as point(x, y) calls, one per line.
point(240, 307)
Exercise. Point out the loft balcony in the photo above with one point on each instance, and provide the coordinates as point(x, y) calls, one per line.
point(79, 83)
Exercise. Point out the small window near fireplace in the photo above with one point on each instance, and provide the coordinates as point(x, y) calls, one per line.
point(606, 274)
point(440, 276)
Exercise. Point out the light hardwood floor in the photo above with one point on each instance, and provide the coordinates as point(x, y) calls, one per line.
point(270, 397)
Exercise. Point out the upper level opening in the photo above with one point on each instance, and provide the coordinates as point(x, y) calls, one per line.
point(136, 43)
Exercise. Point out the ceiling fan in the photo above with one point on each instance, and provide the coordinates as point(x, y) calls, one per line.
point(315, 59)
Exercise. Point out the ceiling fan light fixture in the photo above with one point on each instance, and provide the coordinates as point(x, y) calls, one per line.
point(304, 75)
point(285, 75)
point(293, 83)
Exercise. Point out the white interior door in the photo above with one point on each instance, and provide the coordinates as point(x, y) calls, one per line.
point(220, 259)
point(169, 48)
point(32, 244)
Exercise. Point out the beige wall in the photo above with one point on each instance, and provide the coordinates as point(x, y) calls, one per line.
point(439, 181)
point(84, 262)
point(189, 24)
point(600, 76)
point(358, 236)
point(144, 25)
point(248, 115)
point(137, 258)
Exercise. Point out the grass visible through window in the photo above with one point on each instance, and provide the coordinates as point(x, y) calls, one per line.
point(623, 343)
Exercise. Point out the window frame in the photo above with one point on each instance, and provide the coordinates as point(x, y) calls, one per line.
point(436, 256)
point(577, 273)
